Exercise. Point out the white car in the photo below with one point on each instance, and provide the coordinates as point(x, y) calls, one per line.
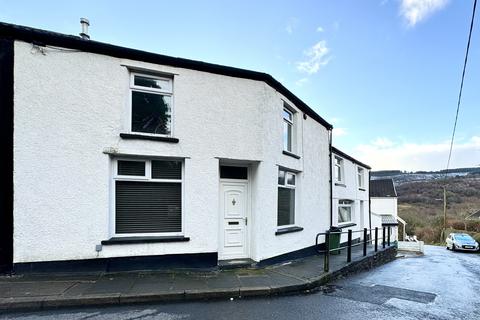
point(461, 241)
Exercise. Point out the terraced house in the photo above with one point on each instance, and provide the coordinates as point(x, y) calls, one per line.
point(118, 157)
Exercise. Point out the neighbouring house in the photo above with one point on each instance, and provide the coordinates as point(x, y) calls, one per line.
point(383, 202)
point(350, 194)
point(120, 157)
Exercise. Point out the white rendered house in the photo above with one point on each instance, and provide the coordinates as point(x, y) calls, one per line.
point(124, 159)
point(350, 194)
point(383, 197)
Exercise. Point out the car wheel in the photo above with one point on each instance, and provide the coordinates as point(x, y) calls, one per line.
point(448, 247)
point(453, 247)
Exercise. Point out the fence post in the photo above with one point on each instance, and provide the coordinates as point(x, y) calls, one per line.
point(326, 261)
point(376, 239)
point(349, 246)
point(365, 241)
point(383, 238)
point(388, 236)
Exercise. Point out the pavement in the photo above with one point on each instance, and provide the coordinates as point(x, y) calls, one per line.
point(440, 285)
point(43, 291)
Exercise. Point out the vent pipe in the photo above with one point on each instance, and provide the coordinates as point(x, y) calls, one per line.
point(85, 24)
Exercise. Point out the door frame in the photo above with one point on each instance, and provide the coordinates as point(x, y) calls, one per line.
point(248, 214)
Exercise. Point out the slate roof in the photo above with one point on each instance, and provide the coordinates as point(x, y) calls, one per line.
point(44, 37)
point(382, 188)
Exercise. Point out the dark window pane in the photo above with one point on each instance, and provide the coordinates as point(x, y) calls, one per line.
point(166, 169)
point(287, 115)
point(131, 168)
point(286, 206)
point(281, 177)
point(151, 113)
point(148, 207)
point(152, 83)
point(227, 172)
point(291, 179)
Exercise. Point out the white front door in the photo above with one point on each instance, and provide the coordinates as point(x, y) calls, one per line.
point(233, 220)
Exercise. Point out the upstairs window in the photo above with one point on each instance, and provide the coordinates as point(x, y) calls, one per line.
point(151, 104)
point(287, 130)
point(339, 170)
point(361, 177)
point(345, 211)
point(286, 198)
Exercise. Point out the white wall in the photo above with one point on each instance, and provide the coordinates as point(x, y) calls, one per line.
point(70, 107)
point(386, 205)
point(349, 189)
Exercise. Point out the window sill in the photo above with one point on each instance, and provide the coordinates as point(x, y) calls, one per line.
point(290, 154)
point(132, 240)
point(340, 184)
point(287, 230)
point(136, 136)
point(362, 189)
point(347, 225)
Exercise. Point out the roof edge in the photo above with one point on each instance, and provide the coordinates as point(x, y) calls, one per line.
point(44, 37)
point(343, 154)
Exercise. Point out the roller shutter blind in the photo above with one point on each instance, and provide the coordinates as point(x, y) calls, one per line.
point(148, 207)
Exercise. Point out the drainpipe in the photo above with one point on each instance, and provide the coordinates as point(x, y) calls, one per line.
point(369, 204)
point(330, 178)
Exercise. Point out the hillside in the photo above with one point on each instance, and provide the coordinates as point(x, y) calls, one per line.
point(420, 204)
point(400, 177)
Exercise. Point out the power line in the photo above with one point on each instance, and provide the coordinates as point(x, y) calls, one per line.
point(461, 89)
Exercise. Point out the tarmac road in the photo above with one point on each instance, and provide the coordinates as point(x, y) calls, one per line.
point(440, 285)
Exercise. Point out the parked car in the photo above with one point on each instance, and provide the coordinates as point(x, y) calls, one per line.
point(461, 241)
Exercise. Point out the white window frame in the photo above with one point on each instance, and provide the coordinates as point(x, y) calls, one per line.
point(361, 177)
point(290, 123)
point(146, 178)
point(340, 165)
point(347, 204)
point(133, 87)
point(288, 186)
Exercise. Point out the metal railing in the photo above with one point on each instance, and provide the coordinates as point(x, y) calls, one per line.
point(367, 238)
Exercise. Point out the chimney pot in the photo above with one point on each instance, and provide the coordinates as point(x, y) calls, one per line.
point(85, 23)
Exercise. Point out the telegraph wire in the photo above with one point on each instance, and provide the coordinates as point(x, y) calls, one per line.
point(461, 89)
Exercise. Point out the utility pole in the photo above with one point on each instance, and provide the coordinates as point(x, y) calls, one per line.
point(444, 212)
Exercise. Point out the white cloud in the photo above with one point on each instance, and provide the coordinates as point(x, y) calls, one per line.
point(339, 132)
point(301, 82)
point(415, 11)
point(316, 57)
point(384, 154)
point(383, 143)
point(320, 29)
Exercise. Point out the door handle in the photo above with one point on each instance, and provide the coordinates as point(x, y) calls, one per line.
point(246, 221)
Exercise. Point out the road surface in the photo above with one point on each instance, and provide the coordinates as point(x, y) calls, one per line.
point(440, 285)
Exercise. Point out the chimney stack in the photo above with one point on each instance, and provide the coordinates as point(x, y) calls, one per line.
point(85, 23)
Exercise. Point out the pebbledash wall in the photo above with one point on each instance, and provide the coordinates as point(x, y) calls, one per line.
point(71, 106)
point(348, 188)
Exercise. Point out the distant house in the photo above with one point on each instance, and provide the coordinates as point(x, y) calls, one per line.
point(383, 197)
point(350, 205)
